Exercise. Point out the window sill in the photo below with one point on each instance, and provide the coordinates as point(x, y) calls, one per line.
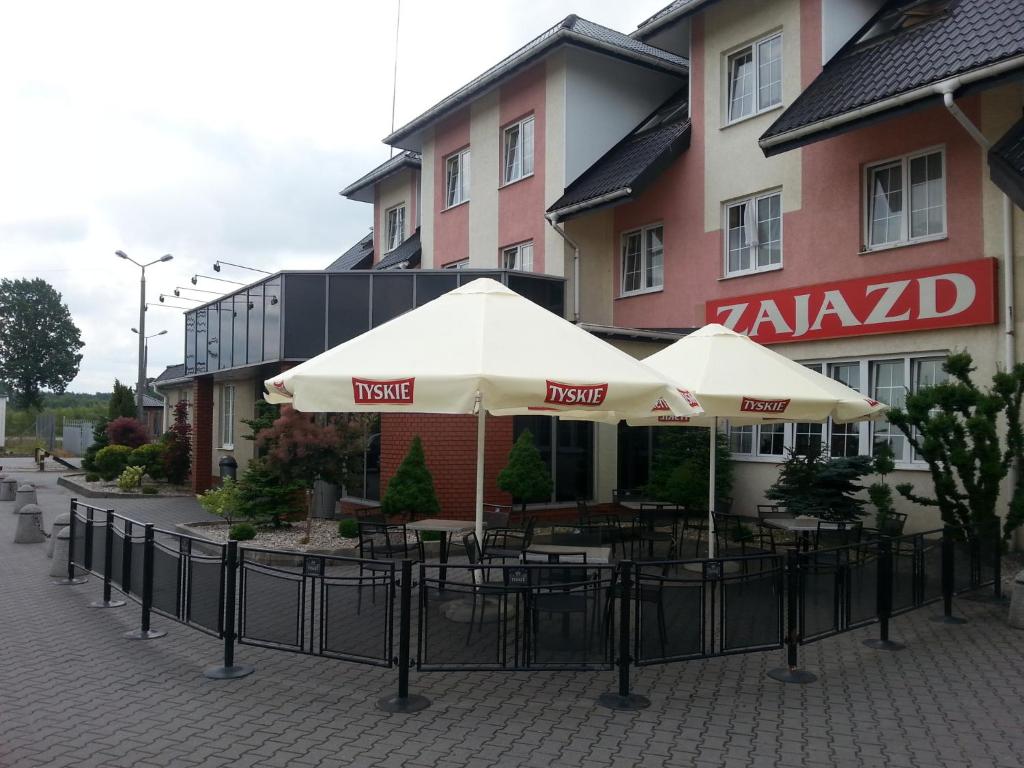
point(751, 116)
point(457, 205)
point(227, 447)
point(904, 244)
point(751, 273)
point(641, 292)
point(515, 181)
point(751, 459)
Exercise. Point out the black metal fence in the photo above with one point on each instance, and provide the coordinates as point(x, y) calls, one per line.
point(523, 617)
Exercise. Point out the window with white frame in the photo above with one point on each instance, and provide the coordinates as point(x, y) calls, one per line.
point(741, 439)
point(456, 183)
point(394, 228)
point(844, 439)
point(227, 416)
point(886, 380)
point(460, 264)
point(906, 199)
point(519, 257)
point(643, 260)
point(518, 151)
point(755, 78)
point(753, 234)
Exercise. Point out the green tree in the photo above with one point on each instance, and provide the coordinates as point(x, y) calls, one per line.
point(178, 446)
point(813, 483)
point(954, 427)
point(880, 493)
point(39, 342)
point(679, 471)
point(411, 490)
point(526, 476)
point(122, 402)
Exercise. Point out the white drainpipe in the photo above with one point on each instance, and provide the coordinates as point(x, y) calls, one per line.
point(553, 221)
point(947, 89)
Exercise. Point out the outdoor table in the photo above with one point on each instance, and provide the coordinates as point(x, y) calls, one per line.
point(803, 526)
point(595, 555)
point(447, 528)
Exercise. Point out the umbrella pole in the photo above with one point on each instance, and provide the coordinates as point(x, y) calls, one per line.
point(480, 425)
point(712, 449)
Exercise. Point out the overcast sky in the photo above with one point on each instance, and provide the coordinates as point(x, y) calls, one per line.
point(215, 130)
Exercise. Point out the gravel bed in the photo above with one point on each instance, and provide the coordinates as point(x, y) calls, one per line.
point(323, 538)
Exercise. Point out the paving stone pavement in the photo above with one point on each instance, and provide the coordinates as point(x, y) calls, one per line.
point(73, 692)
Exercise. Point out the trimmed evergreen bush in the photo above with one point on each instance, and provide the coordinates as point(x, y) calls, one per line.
point(242, 532)
point(130, 478)
point(151, 458)
point(526, 475)
point(112, 460)
point(348, 529)
point(411, 490)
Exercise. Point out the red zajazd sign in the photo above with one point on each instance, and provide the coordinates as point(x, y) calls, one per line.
point(390, 392)
point(947, 296)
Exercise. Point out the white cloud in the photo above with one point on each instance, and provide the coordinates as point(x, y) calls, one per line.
point(214, 131)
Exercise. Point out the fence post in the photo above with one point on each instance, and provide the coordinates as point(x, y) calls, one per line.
point(145, 632)
point(791, 673)
point(108, 566)
point(883, 599)
point(87, 552)
point(229, 670)
point(72, 532)
point(997, 564)
point(623, 699)
point(403, 702)
point(948, 579)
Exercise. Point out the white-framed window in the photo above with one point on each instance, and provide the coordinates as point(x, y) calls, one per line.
point(905, 199)
point(753, 234)
point(460, 264)
point(755, 78)
point(643, 260)
point(886, 379)
point(519, 257)
point(741, 439)
point(518, 151)
point(844, 439)
point(227, 416)
point(456, 179)
point(394, 227)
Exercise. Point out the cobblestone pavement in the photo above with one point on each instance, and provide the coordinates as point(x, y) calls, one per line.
point(73, 692)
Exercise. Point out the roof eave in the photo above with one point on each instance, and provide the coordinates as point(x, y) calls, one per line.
point(409, 136)
point(361, 190)
point(915, 98)
point(648, 27)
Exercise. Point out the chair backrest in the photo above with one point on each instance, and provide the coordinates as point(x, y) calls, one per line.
point(893, 524)
point(506, 538)
point(724, 506)
point(383, 540)
point(472, 545)
point(768, 511)
point(579, 536)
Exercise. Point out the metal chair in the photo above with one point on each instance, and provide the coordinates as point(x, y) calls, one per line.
point(379, 542)
point(497, 515)
point(842, 533)
point(776, 537)
point(652, 521)
point(506, 543)
point(565, 592)
point(694, 521)
point(482, 587)
point(735, 535)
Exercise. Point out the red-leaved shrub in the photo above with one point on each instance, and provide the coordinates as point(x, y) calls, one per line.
point(125, 430)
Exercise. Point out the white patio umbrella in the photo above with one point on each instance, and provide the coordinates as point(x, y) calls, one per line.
point(736, 378)
point(480, 347)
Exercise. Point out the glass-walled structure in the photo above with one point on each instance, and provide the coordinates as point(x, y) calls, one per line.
point(297, 315)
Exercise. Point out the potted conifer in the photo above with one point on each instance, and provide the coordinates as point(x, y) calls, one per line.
point(526, 476)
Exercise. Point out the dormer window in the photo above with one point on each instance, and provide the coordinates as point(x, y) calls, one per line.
point(394, 227)
point(518, 151)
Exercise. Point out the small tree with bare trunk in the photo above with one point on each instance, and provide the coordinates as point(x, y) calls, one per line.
point(303, 448)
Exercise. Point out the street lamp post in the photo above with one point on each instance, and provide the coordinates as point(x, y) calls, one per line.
point(145, 354)
point(140, 385)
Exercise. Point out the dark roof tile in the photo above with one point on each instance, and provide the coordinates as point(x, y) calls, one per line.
point(359, 256)
point(405, 256)
point(963, 35)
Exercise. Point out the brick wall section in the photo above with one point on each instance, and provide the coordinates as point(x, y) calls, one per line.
point(202, 433)
point(449, 443)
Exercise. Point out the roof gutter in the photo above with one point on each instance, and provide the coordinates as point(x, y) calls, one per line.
point(561, 214)
point(899, 100)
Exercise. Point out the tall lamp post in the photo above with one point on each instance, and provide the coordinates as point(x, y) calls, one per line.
point(145, 353)
point(140, 385)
